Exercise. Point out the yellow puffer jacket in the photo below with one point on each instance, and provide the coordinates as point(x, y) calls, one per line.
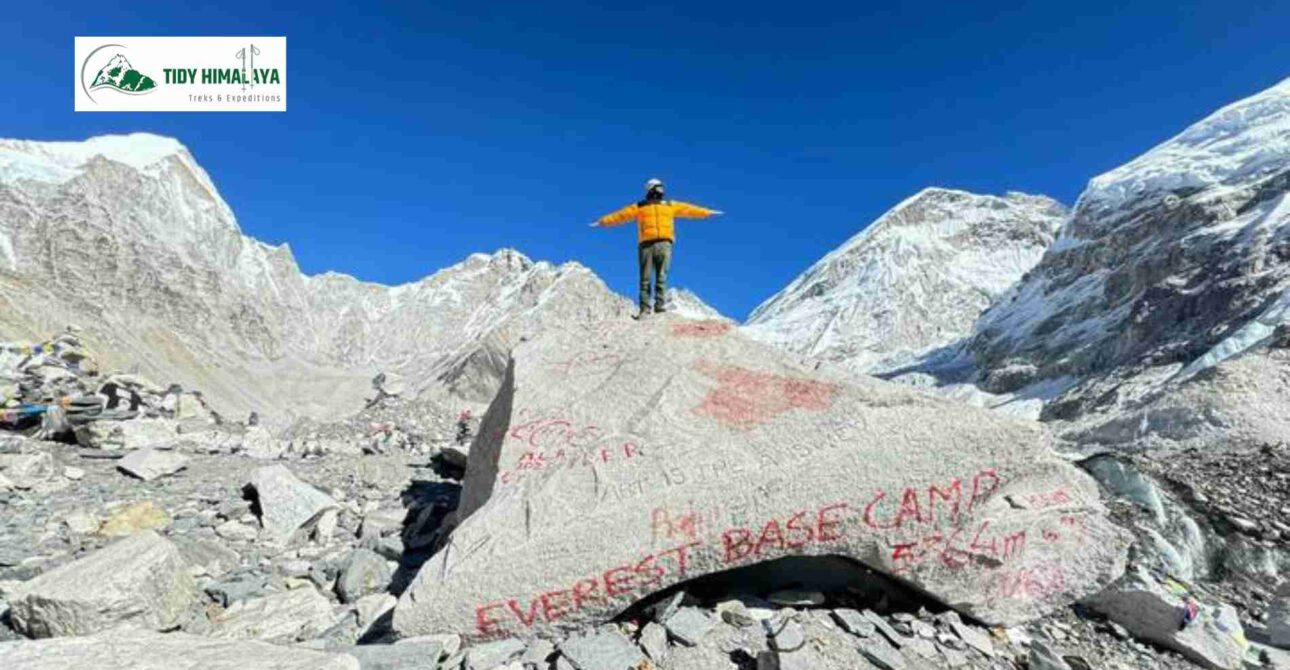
point(654, 218)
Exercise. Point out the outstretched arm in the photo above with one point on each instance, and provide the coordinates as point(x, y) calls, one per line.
point(685, 210)
point(617, 218)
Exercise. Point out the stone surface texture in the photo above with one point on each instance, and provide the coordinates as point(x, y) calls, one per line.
point(671, 448)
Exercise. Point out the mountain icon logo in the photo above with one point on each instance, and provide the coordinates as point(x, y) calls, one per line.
point(116, 74)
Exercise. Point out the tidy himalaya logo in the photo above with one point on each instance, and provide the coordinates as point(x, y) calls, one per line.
point(181, 74)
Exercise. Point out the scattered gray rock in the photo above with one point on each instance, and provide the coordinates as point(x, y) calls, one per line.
point(150, 463)
point(141, 579)
point(885, 628)
point(26, 471)
point(536, 655)
point(236, 531)
point(287, 505)
point(135, 649)
point(689, 625)
point(653, 640)
point(390, 547)
point(489, 655)
point(417, 652)
point(364, 572)
point(1150, 611)
point(259, 443)
point(603, 650)
point(79, 523)
point(882, 654)
point(735, 613)
point(127, 435)
point(973, 636)
point(237, 588)
point(371, 607)
point(954, 658)
point(785, 633)
point(664, 609)
point(289, 616)
point(854, 622)
point(1044, 658)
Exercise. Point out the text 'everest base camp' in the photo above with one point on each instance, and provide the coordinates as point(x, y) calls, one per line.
point(985, 432)
point(680, 448)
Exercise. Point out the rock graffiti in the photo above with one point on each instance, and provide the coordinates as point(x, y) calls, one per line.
point(984, 483)
point(794, 531)
point(587, 363)
point(708, 328)
point(640, 575)
point(921, 525)
point(552, 443)
point(555, 432)
point(747, 398)
point(1037, 581)
point(537, 460)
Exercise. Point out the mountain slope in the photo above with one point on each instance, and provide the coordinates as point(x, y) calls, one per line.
point(127, 237)
point(915, 279)
point(1169, 264)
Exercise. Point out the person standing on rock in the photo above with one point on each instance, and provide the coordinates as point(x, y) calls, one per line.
point(655, 235)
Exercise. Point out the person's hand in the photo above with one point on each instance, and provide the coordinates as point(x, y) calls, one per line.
point(595, 224)
point(717, 212)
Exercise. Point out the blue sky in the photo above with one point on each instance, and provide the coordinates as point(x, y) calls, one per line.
point(418, 133)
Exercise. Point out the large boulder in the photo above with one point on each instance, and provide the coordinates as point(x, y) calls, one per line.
point(149, 463)
point(284, 617)
point(128, 435)
point(141, 579)
point(621, 458)
point(288, 506)
point(1166, 613)
point(26, 470)
point(133, 649)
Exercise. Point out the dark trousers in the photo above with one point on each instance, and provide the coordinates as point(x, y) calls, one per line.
point(655, 257)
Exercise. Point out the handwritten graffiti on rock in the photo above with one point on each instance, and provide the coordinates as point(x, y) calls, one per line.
point(587, 363)
point(746, 398)
point(923, 523)
point(555, 432)
point(1032, 582)
point(1046, 499)
point(957, 549)
point(927, 506)
point(707, 328)
point(633, 577)
point(821, 525)
point(532, 460)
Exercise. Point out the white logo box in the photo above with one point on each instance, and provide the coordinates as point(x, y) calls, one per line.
point(181, 74)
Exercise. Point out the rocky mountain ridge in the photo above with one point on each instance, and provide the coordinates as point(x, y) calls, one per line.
point(1168, 265)
point(127, 236)
point(914, 279)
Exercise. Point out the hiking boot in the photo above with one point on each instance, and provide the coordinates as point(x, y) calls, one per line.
point(642, 313)
point(659, 309)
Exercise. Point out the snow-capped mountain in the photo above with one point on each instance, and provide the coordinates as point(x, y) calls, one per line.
point(1168, 265)
point(689, 305)
point(127, 237)
point(915, 279)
